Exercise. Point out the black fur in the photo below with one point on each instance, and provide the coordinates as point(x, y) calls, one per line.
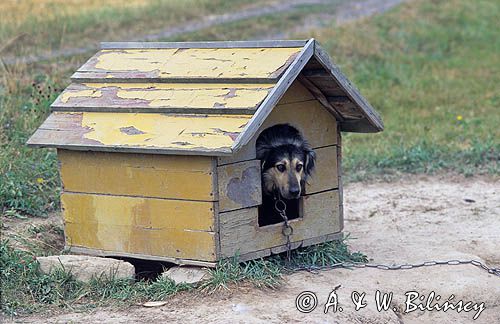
point(272, 146)
point(283, 139)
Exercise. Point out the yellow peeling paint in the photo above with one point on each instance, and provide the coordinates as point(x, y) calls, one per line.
point(163, 131)
point(178, 95)
point(82, 93)
point(196, 62)
point(146, 175)
point(202, 98)
point(169, 228)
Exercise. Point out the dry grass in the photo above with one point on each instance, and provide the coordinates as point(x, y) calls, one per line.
point(16, 13)
point(36, 27)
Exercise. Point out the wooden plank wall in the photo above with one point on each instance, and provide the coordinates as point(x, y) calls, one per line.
point(322, 221)
point(239, 185)
point(153, 205)
point(240, 233)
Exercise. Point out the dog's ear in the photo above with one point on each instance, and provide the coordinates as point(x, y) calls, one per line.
point(263, 153)
point(310, 161)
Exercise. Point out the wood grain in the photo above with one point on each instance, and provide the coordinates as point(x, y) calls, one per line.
point(141, 133)
point(240, 233)
point(177, 229)
point(346, 107)
point(372, 117)
point(160, 176)
point(104, 253)
point(213, 44)
point(239, 185)
point(341, 181)
point(275, 95)
point(325, 176)
point(162, 98)
point(320, 97)
point(187, 64)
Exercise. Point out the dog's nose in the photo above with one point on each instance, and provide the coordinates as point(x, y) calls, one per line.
point(294, 192)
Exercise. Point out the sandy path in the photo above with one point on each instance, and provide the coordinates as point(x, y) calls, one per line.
point(348, 11)
point(417, 219)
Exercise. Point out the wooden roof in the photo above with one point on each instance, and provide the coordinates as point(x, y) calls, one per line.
point(205, 98)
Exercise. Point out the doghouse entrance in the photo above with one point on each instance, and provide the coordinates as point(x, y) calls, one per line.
point(282, 168)
point(268, 215)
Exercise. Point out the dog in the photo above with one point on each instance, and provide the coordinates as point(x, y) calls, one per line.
point(287, 162)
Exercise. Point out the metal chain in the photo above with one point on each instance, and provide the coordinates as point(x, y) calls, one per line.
point(490, 270)
point(287, 230)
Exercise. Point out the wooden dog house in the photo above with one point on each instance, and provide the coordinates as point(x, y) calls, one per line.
point(156, 143)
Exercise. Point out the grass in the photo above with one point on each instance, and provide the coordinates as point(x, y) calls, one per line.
point(254, 28)
point(34, 27)
point(268, 272)
point(29, 178)
point(431, 68)
point(26, 290)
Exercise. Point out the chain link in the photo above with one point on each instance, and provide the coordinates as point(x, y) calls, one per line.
point(287, 230)
point(347, 265)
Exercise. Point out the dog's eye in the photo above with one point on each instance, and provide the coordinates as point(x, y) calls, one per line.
point(281, 168)
point(298, 167)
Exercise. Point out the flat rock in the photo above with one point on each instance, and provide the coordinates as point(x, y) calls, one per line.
point(187, 274)
point(84, 268)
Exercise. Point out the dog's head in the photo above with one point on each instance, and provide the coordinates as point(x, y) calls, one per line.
point(287, 161)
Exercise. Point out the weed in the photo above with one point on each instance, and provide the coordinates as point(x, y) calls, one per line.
point(430, 68)
point(29, 179)
point(326, 254)
point(268, 272)
point(25, 289)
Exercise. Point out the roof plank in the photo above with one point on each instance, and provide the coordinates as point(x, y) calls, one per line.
point(141, 133)
point(190, 65)
point(163, 98)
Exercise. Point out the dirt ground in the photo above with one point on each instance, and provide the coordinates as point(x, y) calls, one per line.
point(416, 219)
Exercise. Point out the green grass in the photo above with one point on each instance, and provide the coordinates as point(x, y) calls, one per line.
point(432, 70)
point(26, 290)
point(29, 178)
point(268, 272)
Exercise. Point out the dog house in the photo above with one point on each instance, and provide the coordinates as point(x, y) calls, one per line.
point(156, 143)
